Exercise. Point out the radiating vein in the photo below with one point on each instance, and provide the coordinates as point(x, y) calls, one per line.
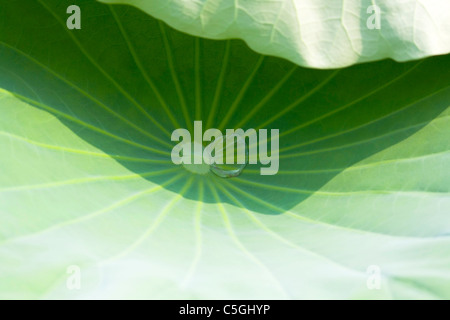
point(198, 88)
point(94, 63)
point(198, 236)
point(239, 244)
point(92, 215)
point(355, 167)
point(266, 98)
point(365, 96)
point(83, 152)
point(175, 79)
point(146, 76)
point(89, 126)
point(71, 182)
point(88, 96)
point(300, 100)
point(306, 219)
point(360, 142)
point(364, 124)
point(265, 186)
point(265, 228)
point(220, 85)
point(241, 94)
point(158, 220)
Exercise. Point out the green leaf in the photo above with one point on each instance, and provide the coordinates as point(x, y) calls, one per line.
point(315, 33)
point(87, 179)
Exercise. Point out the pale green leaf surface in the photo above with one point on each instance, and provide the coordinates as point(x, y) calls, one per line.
point(85, 123)
point(315, 33)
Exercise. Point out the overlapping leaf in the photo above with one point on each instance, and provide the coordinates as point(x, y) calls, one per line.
point(315, 33)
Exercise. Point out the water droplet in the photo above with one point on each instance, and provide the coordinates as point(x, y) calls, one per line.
point(227, 172)
point(227, 166)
